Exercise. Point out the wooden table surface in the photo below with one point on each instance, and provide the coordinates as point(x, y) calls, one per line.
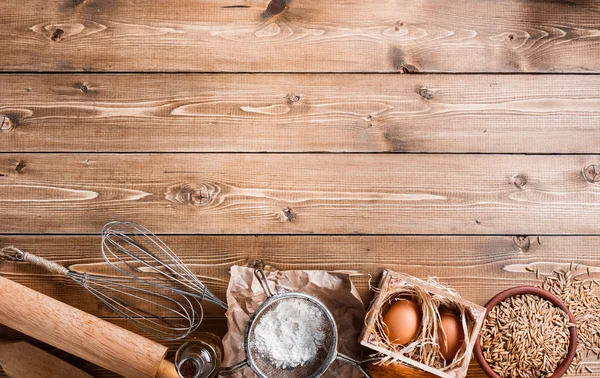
point(456, 139)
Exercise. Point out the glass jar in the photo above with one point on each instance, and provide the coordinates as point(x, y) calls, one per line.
point(200, 357)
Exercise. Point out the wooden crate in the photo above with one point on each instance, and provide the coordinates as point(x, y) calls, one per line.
point(390, 281)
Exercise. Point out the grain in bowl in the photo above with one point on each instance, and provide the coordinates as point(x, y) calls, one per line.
point(525, 336)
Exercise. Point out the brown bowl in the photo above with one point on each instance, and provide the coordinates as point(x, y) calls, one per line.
point(564, 366)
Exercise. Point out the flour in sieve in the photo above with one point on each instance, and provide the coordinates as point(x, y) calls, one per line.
point(290, 334)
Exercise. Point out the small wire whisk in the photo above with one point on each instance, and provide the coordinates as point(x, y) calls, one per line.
point(156, 310)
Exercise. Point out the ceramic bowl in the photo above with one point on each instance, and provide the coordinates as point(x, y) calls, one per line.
point(519, 290)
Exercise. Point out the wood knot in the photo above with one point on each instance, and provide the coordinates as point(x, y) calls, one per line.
point(408, 69)
point(200, 197)
point(57, 35)
point(295, 98)
point(394, 142)
point(426, 93)
point(591, 173)
point(188, 195)
point(276, 7)
point(76, 3)
point(519, 181)
point(289, 215)
point(522, 242)
point(20, 166)
point(7, 123)
point(82, 87)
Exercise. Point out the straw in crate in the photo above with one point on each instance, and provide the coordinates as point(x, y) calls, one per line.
point(423, 351)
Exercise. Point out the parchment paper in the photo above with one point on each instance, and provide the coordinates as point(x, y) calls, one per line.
point(335, 290)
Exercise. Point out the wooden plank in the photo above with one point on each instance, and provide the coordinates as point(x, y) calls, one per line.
point(214, 325)
point(478, 267)
point(300, 113)
point(217, 326)
point(289, 193)
point(305, 36)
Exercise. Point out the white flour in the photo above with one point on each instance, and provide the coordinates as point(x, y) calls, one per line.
point(290, 334)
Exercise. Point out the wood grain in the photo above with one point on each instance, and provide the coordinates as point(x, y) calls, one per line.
point(217, 326)
point(478, 267)
point(23, 360)
point(289, 193)
point(300, 113)
point(304, 36)
point(214, 325)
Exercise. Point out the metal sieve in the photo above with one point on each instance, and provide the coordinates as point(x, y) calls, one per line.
point(316, 366)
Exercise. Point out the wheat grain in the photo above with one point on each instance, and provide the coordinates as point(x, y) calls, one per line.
point(525, 336)
point(580, 298)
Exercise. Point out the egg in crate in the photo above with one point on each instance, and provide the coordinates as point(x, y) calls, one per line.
point(453, 329)
point(402, 321)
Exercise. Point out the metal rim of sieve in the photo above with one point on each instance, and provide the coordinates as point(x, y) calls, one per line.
point(332, 354)
point(272, 301)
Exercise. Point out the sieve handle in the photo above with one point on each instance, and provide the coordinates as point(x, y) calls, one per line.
point(226, 371)
point(357, 363)
point(260, 275)
point(395, 370)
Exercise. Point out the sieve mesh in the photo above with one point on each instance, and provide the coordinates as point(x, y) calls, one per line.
point(316, 366)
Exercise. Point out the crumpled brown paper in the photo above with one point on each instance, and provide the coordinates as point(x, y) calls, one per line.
point(335, 290)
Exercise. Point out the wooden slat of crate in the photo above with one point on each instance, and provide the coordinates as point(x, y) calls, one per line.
point(305, 36)
point(290, 193)
point(300, 113)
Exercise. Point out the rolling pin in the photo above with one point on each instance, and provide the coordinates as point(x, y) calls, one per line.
point(81, 334)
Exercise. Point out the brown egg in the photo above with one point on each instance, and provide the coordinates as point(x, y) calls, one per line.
point(453, 330)
point(402, 319)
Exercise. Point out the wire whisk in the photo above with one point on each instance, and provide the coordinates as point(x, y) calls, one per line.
point(155, 290)
point(162, 312)
point(137, 252)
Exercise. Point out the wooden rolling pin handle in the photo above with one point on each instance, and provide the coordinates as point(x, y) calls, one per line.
point(167, 370)
point(82, 334)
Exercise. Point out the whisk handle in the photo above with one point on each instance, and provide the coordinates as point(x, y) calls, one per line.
point(15, 254)
point(81, 334)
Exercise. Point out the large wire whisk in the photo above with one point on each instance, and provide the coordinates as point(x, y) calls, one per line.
point(155, 290)
point(138, 253)
point(164, 313)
